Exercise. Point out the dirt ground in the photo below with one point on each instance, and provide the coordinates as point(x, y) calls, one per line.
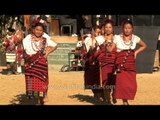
point(66, 88)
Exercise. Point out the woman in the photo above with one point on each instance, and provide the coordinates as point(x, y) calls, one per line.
point(106, 58)
point(19, 51)
point(126, 86)
point(91, 74)
point(37, 47)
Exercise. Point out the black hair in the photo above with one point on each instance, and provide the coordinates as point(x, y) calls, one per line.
point(106, 21)
point(39, 24)
point(127, 22)
point(109, 22)
point(11, 30)
point(96, 27)
point(87, 31)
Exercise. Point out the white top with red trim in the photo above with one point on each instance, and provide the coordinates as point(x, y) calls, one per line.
point(32, 48)
point(125, 45)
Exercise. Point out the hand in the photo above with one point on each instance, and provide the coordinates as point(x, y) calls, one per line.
point(135, 54)
point(45, 56)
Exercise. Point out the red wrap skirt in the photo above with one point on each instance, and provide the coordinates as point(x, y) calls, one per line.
point(92, 75)
point(107, 61)
point(126, 86)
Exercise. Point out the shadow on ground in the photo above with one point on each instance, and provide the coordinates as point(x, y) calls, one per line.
point(21, 99)
point(87, 98)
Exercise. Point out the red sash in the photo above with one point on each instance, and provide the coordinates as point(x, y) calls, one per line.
point(125, 62)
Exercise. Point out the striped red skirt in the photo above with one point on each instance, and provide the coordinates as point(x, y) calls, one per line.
point(126, 86)
point(36, 76)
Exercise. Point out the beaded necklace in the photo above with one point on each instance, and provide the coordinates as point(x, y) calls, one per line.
point(127, 43)
point(108, 42)
point(34, 44)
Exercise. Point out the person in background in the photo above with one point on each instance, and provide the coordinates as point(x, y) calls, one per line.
point(27, 24)
point(47, 19)
point(19, 52)
point(9, 42)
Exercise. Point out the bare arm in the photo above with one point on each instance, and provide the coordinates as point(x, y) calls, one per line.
point(142, 47)
point(51, 45)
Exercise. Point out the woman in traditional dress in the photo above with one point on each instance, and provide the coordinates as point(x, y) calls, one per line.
point(19, 51)
point(37, 47)
point(10, 41)
point(106, 58)
point(91, 73)
point(126, 86)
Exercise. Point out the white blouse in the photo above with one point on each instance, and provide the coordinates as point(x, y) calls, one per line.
point(31, 48)
point(88, 41)
point(122, 45)
point(100, 40)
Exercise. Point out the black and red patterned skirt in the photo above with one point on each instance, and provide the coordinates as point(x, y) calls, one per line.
point(36, 76)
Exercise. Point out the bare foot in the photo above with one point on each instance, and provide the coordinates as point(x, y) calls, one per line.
point(98, 97)
point(125, 103)
point(114, 100)
point(45, 99)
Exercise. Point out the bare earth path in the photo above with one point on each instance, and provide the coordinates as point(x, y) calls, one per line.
point(66, 88)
